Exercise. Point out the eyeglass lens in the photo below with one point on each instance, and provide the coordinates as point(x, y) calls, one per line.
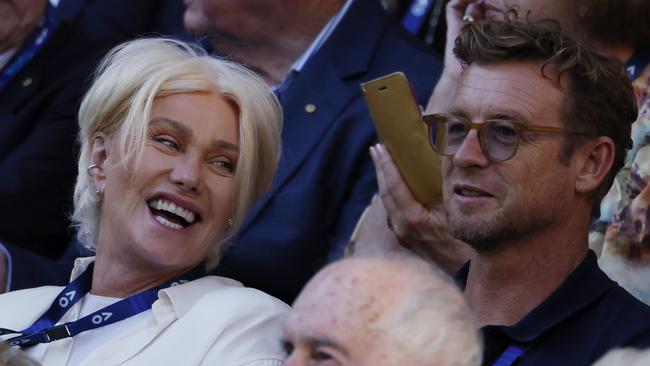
point(498, 139)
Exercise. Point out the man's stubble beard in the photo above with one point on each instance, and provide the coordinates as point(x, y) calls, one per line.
point(490, 234)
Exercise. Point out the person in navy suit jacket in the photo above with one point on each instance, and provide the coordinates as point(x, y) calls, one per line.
point(50, 52)
point(316, 53)
point(41, 84)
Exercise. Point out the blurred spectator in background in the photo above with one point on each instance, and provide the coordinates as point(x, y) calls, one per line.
point(381, 312)
point(119, 20)
point(315, 53)
point(45, 60)
point(622, 233)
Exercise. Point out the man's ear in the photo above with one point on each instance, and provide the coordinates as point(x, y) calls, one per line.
point(99, 157)
point(595, 160)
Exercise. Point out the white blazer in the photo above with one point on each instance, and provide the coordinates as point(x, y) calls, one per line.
point(209, 321)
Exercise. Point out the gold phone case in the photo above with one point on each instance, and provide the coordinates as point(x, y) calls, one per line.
point(399, 125)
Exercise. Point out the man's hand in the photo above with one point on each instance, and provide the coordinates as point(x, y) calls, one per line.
point(372, 236)
point(419, 229)
point(3, 271)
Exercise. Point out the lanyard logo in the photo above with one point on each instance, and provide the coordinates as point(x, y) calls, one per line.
point(45, 331)
point(67, 298)
point(97, 319)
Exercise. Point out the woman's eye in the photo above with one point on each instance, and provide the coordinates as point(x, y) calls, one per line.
point(168, 142)
point(318, 355)
point(224, 165)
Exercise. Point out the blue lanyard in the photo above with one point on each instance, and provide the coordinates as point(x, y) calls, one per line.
point(34, 42)
point(44, 331)
point(510, 356)
point(637, 63)
point(416, 15)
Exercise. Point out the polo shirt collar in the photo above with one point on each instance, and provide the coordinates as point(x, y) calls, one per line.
point(586, 284)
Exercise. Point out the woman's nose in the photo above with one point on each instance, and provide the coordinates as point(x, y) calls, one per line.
point(186, 174)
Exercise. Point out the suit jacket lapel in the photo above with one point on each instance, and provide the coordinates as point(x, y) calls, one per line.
point(20, 89)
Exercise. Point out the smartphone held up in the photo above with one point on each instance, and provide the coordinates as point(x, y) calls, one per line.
point(398, 120)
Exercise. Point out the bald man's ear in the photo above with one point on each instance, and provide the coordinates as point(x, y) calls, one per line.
point(595, 159)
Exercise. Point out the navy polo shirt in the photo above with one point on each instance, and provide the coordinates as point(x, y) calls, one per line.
point(588, 315)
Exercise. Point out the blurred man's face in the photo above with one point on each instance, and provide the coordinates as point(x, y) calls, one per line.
point(195, 19)
point(240, 19)
point(342, 319)
point(19, 17)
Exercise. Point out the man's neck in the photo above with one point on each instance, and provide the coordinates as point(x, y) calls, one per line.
point(503, 287)
point(271, 61)
point(272, 57)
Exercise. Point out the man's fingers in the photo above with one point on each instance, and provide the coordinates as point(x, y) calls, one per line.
point(379, 171)
point(383, 164)
point(372, 237)
point(400, 197)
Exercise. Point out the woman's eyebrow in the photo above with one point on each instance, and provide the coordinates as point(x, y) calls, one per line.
point(179, 126)
point(185, 130)
point(223, 144)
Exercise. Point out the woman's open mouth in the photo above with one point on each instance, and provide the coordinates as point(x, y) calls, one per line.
point(171, 215)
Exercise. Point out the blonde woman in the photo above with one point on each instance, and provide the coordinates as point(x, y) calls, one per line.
point(175, 147)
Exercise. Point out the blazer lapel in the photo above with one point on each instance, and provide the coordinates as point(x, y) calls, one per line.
point(21, 88)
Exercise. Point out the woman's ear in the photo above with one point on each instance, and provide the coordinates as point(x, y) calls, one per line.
point(99, 160)
point(596, 159)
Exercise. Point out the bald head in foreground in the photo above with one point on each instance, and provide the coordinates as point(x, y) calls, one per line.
point(381, 312)
point(625, 357)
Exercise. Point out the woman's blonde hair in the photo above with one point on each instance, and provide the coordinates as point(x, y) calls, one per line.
point(119, 102)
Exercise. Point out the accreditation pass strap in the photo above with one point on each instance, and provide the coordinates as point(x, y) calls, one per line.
point(45, 331)
point(510, 356)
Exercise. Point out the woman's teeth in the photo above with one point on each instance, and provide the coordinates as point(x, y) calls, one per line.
point(163, 221)
point(164, 205)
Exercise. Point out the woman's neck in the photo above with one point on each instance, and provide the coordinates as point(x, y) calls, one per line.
point(121, 276)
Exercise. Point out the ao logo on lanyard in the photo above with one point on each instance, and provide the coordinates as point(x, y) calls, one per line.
point(45, 331)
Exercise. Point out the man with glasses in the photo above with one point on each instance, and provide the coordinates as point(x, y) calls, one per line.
point(530, 143)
